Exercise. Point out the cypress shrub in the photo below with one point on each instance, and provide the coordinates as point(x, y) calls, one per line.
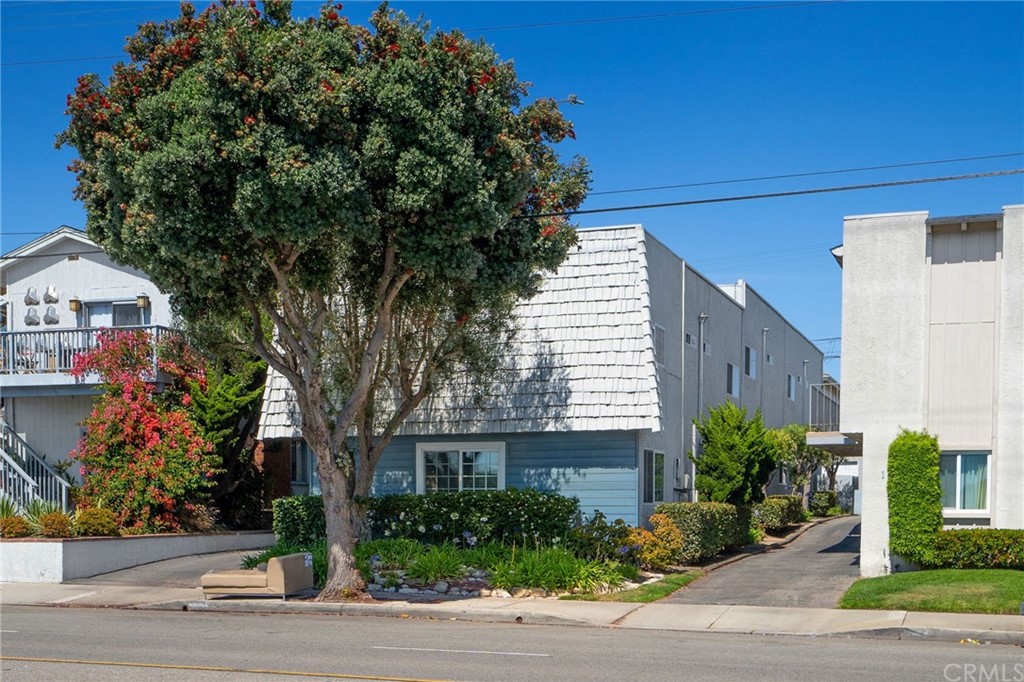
point(915, 499)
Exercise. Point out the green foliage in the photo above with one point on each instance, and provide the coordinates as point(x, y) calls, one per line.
point(34, 512)
point(822, 501)
point(658, 548)
point(979, 548)
point(707, 527)
point(598, 540)
point(299, 520)
point(915, 498)
point(14, 527)
point(486, 555)
point(436, 563)
point(645, 594)
point(8, 507)
point(95, 522)
point(56, 524)
point(736, 460)
point(469, 517)
point(224, 408)
point(318, 549)
point(390, 553)
point(778, 512)
point(554, 568)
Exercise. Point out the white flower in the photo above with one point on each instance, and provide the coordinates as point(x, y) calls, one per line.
point(401, 516)
point(387, 533)
point(455, 515)
point(423, 529)
point(483, 519)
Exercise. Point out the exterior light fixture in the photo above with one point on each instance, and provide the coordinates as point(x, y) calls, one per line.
point(142, 301)
point(75, 304)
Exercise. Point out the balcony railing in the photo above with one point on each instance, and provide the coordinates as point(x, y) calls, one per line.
point(823, 407)
point(54, 350)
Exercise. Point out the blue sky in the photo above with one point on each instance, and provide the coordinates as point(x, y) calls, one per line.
point(701, 92)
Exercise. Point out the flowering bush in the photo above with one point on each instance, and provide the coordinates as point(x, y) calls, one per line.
point(657, 548)
point(142, 456)
point(596, 539)
point(512, 515)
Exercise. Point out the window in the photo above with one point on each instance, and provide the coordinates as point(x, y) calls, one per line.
point(659, 344)
point(732, 380)
point(750, 362)
point(107, 314)
point(690, 341)
point(654, 476)
point(964, 480)
point(300, 462)
point(707, 348)
point(449, 467)
point(791, 387)
point(769, 359)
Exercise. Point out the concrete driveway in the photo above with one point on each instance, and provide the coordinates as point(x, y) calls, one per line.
point(813, 571)
point(181, 572)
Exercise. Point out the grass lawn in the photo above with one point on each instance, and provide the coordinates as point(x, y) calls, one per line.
point(947, 590)
point(644, 594)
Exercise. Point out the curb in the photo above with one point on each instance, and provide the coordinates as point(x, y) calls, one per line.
point(398, 610)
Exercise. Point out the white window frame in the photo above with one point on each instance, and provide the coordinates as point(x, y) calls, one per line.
point(956, 511)
point(422, 448)
point(121, 302)
point(750, 362)
point(791, 387)
point(732, 380)
point(659, 344)
point(657, 494)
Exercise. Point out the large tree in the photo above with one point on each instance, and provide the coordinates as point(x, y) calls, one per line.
point(372, 200)
point(735, 460)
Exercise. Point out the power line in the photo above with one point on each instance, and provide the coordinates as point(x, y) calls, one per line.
point(772, 195)
point(805, 175)
point(552, 24)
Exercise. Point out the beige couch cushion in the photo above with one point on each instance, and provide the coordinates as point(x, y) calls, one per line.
point(238, 578)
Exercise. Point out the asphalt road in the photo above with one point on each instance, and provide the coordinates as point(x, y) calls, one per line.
point(813, 571)
point(107, 644)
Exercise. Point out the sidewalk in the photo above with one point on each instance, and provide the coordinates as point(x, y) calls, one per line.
point(657, 616)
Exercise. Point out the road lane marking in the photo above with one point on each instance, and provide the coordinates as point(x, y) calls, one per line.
point(220, 669)
point(65, 600)
point(460, 651)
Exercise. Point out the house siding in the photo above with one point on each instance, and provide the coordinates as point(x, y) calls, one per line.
point(598, 468)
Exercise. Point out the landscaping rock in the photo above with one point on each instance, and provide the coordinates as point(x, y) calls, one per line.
point(441, 587)
point(373, 587)
point(522, 593)
point(407, 590)
point(501, 594)
point(484, 592)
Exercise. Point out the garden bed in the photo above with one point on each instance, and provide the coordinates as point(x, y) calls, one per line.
point(45, 560)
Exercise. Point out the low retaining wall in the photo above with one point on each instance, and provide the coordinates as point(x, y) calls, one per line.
point(35, 560)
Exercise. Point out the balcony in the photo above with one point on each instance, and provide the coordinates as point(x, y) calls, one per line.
point(34, 363)
point(823, 418)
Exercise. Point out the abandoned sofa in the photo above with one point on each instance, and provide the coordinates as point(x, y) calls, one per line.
point(279, 577)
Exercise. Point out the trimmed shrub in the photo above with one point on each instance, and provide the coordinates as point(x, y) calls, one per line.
point(95, 522)
point(822, 501)
point(513, 515)
point(55, 525)
point(915, 499)
point(658, 548)
point(979, 548)
point(299, 520)
point(14, 527)
point(736, 460)
point(778, 512)
point(707, 527)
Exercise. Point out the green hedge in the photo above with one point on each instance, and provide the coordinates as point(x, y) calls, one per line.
point(915, 499)
point(822, 501)
point(979, 548)
point(299, 521)
point(510, 515)
point(707, 527)
point(778, 512)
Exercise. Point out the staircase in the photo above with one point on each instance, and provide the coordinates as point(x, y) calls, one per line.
point(25, 476)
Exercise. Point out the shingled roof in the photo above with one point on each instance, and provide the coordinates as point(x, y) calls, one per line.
point(583, 359)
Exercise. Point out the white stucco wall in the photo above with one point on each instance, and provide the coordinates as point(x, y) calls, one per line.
point(1008, 468)
point(883, 354)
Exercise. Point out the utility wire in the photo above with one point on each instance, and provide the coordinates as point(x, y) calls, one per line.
point(772, 195)
point(803, 175)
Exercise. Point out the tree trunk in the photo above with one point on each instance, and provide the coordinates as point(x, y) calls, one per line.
point(343, 579)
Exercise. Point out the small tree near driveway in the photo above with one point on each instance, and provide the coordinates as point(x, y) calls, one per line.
point(735, 461)
point(372, 201)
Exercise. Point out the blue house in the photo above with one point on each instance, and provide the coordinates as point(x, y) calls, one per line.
point(598, 396)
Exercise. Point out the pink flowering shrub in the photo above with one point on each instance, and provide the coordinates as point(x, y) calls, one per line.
point(142, 456)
